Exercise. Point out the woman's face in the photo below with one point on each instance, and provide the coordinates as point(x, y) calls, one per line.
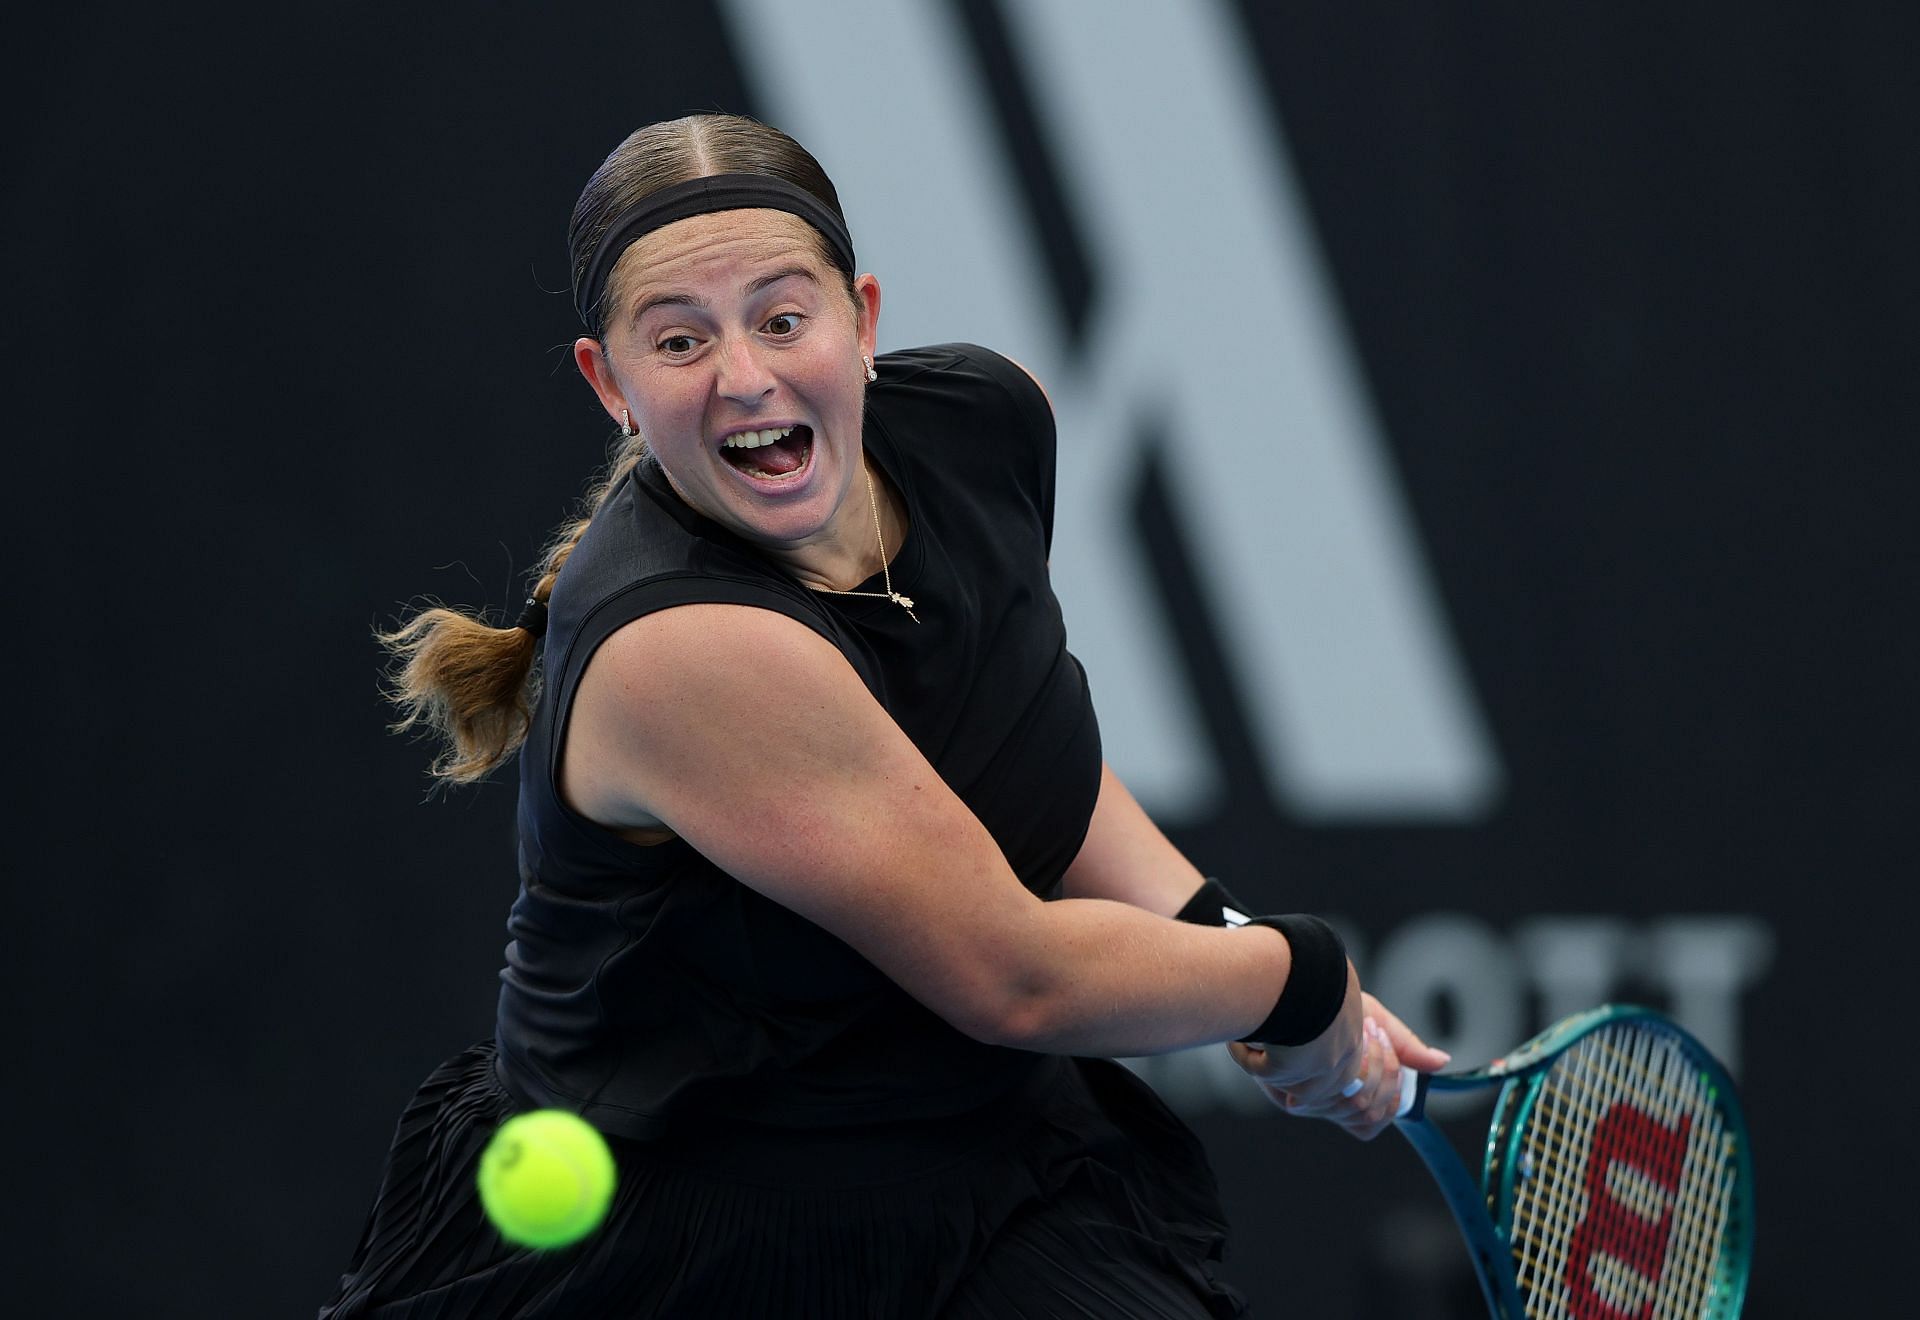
point(736, 349)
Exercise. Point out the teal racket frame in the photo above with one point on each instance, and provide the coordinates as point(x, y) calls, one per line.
point(1483, 1208)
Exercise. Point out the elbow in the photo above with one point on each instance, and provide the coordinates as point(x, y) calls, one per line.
point(1005, 988)
point(1016, 1019)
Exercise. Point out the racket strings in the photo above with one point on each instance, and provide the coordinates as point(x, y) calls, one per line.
point(1631, 1236)
point(1567, 1114)
point(1668, 1152)
point(1629, 1259)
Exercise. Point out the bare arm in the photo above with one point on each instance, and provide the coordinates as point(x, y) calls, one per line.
point(1126, 858)
point(752, 738)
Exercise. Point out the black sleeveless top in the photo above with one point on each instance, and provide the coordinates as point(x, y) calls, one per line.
point(650, 991)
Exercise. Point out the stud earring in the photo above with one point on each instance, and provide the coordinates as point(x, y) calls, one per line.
point(872, 375)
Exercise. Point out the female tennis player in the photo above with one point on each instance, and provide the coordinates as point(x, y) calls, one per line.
point(829, 909)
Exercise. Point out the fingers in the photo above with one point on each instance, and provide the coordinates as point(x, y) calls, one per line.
point(1311, 1097)
point(1407, 1046)
point(1312, 1070)
point(1365, 1104)
point(1354, 1079)
point(1374, 1103)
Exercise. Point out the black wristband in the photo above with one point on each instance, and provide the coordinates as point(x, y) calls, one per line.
point(1316, 986)
point(1212, 905)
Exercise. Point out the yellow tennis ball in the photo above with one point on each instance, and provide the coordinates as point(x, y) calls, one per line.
point(546, 1179)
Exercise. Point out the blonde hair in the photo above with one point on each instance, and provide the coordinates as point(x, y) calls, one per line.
point(474, 684)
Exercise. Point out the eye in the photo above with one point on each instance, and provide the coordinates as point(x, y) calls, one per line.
point(676, 345)
point(785, 323)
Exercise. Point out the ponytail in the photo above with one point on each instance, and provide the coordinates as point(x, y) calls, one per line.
point(474, 684)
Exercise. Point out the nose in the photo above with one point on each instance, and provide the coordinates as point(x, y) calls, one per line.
point(741, 375)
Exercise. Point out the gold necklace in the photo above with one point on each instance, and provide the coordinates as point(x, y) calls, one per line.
point(886, 572)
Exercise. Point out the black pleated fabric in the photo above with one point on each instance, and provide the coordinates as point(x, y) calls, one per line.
point(1081, 1196)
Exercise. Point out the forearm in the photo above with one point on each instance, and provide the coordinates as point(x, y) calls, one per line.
point(1126, 857)
point(1110, 979)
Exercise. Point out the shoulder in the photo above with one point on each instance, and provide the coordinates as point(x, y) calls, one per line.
point(706, 650)
point(620, 545)
point(658, 684)
point(639, 557)
point(963, 371)
point(989, 401)
point(642, 539)
point(707, 716)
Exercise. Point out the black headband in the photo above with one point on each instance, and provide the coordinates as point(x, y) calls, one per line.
point(715, 192)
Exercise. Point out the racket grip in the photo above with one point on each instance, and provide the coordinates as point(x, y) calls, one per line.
point(1409, 1092)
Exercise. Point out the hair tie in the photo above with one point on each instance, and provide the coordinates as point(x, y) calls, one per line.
point(715, 192)
point(533, 618)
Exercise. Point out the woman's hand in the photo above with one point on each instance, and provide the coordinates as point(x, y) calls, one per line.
point(1350, 1073)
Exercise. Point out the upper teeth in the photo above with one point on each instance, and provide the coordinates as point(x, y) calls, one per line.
point(754, 439)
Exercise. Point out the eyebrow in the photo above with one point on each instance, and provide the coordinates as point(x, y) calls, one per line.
point(753, 287)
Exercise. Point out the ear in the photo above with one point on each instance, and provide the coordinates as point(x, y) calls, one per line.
point(593, 365)
point(866, 289)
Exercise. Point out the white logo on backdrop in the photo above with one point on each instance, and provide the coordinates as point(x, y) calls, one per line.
point(1211, 331)
point(1211, 325)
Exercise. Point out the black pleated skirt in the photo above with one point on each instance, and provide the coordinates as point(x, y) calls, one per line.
point(1081, 1196)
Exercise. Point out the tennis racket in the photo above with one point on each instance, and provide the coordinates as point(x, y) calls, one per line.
point(1618, 1182)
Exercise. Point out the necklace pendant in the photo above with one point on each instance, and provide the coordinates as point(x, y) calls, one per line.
point(904, 602)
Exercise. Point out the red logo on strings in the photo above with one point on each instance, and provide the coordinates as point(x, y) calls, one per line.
point(1614, 1228)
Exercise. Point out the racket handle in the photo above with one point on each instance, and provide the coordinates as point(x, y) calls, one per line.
point(1411, 1090)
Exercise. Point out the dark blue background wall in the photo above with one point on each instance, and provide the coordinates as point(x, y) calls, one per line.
point(1634, 292)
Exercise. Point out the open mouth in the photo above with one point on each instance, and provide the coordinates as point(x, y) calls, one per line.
point(769, 455)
